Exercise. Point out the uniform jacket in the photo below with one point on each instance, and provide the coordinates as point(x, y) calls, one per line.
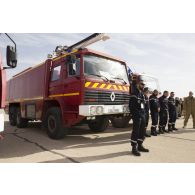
point(154, 103)
point(189, 104)
point(137, 103)
point(147, 104)
point(177, 102)
point(163, 101)
point(171, 104)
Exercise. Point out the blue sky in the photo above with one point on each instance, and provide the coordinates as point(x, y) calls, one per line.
point(169, 57)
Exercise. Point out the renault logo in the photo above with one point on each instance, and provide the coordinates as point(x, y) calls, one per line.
point(112, 96)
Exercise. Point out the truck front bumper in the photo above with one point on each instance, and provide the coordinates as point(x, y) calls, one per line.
point(97, 110)
point(1, 120)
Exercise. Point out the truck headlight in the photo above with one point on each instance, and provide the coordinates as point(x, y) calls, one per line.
point(99, 110)
point(92, 110)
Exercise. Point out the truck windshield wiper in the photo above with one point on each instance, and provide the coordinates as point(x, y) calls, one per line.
point(120, 79)
point(101, 76)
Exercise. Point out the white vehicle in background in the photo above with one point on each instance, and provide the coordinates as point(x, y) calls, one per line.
point(152, 83)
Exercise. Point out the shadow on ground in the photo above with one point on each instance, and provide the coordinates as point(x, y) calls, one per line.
point(32, 140)
point(94, 158)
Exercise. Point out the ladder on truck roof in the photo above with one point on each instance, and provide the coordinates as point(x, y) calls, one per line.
point(81, 44)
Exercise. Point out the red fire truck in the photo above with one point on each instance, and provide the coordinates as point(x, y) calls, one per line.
point(11, 62)
point(76, 86)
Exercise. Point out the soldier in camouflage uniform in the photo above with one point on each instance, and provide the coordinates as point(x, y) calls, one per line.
point(189, 109)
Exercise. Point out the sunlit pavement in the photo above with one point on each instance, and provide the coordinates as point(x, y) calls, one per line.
point(33, 145)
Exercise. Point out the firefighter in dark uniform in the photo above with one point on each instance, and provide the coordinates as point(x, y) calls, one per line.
point(137, 109)
point(147, 109)
point(154, 110)
point(163, 114)
point(172, 112)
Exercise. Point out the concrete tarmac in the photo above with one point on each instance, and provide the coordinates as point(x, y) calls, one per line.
point(32, 144)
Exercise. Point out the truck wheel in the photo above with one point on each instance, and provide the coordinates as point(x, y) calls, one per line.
point(54, 125)
point(120, 122)
point(12, 116)
point(20, 122)
point(100, 124)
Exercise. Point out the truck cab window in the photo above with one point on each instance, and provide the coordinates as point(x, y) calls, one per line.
point(74, 68)
point(56, 73)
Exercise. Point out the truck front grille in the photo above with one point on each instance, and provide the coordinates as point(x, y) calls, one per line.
point(104, 98)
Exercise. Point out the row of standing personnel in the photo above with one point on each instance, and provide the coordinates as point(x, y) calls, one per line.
point(160, 108)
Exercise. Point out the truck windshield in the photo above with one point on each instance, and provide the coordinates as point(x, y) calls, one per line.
point(105, 68)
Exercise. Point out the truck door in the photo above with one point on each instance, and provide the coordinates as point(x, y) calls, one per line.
point(72, 85)
point(56, 85)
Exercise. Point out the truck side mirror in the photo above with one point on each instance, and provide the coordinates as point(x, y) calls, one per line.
point(71, 59)
point(11, 56)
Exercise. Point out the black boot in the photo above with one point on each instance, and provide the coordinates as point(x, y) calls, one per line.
point(170, 128)
point(157, 132)
point(173, 127)
point(161, 130)
point(153, 131)
point(165, 131)
point(135, 151)
point(142, 149)
point(146, 134)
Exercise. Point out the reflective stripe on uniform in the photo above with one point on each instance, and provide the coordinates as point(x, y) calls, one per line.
point(133, 141)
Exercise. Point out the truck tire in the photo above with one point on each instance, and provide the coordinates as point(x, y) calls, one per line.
point(54, 125)
point(100, 124)
point(20, 122)
point(120, 122)
point(12, 116)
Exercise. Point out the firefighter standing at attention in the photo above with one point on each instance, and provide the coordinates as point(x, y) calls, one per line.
point(163, 114)
point(147, 109)
point(137, 109)
point(154, 109)
point(172, 112)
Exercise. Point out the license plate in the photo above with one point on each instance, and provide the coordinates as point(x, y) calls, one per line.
point(113, 110)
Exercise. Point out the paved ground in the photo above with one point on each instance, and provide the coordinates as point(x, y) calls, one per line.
point(32, 145)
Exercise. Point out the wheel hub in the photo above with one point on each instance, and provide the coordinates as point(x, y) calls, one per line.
point(51, 123)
